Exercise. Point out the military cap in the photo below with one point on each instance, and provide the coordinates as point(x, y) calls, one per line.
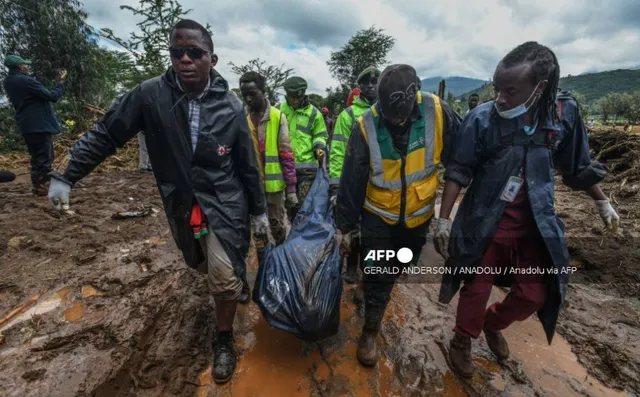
point(371, 71)
point(295, 86)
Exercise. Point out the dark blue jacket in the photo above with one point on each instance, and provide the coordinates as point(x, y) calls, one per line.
point(32, 103)
point(488, 151)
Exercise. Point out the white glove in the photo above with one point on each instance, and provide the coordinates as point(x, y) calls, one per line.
point(261, 224)
point(441, 238)
point(59, 194)
point(608, 215)
point(334, 200)
point(292, 198)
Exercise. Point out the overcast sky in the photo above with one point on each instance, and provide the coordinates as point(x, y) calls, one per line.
point(439, 38)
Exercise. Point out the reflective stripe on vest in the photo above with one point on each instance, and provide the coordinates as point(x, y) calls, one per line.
point(309, 126)
point(274, 179)
point(421, 185)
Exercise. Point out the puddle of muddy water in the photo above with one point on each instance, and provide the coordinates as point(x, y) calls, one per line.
point(275, 363)
point(41, 307)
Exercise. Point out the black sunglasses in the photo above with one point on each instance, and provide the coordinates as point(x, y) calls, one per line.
point(192, 52)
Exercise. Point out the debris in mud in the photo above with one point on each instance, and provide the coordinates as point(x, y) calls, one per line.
point(20, 309)
point(141, 213)
point(34, 375)
point(19, 242)
point(620, 151)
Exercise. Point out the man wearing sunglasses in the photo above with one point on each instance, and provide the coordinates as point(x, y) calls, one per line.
point(308, 134)
point(205, 165)
point(367, 83)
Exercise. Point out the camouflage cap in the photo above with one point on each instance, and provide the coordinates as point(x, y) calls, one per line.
point(371, 71)
point(295, 86)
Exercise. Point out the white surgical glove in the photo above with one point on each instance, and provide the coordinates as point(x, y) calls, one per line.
point(261, 224)
point(334, 200)
point(608, 215)
point(292, 198)
point(59, 194)
point(441, 238)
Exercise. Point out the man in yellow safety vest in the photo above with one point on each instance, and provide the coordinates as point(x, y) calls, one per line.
point(389, 183)
point(270, 133)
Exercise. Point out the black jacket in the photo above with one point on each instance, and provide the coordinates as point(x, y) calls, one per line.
point(32, 103)
point(222, 175)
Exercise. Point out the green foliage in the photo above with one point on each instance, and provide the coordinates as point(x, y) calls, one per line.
point(316, 100)
point(336, 99)
point(596, 85)
point(451, 100)
point(366, 48)
point(617, 105)
point(10, 139)
point(148, 51)
point(274, 76)
point(53, 34)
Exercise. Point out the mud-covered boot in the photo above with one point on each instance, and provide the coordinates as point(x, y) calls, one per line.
point(367, 345)
point(460, 355)
point(351, 275)
point(497, 343)
point(245, 295)
point(367, 348)
point(224, 357)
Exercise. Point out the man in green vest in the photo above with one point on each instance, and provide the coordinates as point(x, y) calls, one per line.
point(388, 187)
point(308, 134)
point(367, 82)
point(270, 133)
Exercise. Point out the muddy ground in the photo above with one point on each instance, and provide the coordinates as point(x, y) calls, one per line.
point(119, 314)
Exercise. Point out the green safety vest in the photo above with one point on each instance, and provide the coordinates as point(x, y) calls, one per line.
point(274, 179)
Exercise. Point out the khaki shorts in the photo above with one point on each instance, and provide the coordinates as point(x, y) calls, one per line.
point(223, 281)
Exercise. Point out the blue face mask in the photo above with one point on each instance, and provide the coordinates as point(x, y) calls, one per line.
point(520, 109)
point(530, 130)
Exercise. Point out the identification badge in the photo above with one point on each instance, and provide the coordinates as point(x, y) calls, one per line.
point(511, 190)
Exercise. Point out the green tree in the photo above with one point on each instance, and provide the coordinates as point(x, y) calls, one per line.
point(54, 35)
point(149, 49)
point(336, 99)
point(316, 100)
point(274, 76)
point(451, 100)
point(368, 47)
point(582, 104)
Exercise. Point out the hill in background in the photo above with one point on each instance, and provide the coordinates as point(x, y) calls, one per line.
point(454, 84)
point(592, 85)
point(596, 85)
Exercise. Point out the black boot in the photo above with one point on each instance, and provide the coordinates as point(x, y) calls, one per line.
point(224, 357)
point(245, 295)
point(460, 355)
point(351, 275)
point(367, 345)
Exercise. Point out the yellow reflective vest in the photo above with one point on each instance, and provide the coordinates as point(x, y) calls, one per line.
point(404, 184)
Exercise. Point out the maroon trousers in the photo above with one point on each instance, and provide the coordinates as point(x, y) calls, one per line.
point(510, 252)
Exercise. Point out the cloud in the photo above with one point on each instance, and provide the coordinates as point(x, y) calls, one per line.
point(455, 37)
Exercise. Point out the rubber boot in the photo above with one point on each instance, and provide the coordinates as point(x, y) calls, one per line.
point(460, 355)
point(497, 343)
point(351, 275)
point(367, 345)
point(224, 357)
point(245, 295)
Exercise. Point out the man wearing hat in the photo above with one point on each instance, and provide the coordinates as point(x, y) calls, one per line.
point(308, 134)
point(35, 117)
point(388, 185)
point(367, 83)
